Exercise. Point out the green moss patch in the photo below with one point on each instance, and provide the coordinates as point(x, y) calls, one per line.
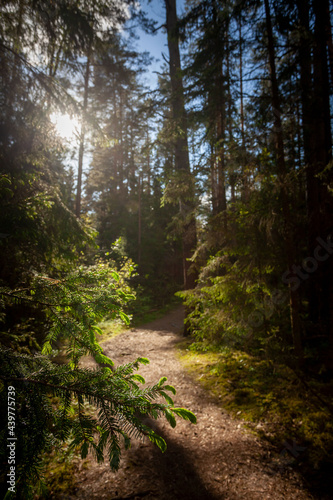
point(111, 328)
point(270, 397)
point(59, 468)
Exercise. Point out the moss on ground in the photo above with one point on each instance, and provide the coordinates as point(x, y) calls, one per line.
point(272, 400)
point(59, 469)
point(110, 329)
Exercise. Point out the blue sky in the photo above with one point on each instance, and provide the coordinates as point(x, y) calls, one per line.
point(156, 44)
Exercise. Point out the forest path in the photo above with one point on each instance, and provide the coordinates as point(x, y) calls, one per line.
point(215, 459)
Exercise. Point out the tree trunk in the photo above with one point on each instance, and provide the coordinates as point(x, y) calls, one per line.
point(220, 122)
point(281, 165)
point(245, 193)
point(317, 154)
point(322, 216)
point(213, 179)
point(328, 30)
point(230, 131)
point(82, 139)
point(139, 220)
point(218, 105)
point(18, 45)
point(312, 183)
point(241, 97)
point(182, 164)
point(148, 163)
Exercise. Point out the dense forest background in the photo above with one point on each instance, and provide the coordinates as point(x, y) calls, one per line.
point(217, 185)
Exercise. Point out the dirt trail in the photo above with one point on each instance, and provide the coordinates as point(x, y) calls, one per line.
point(215, 459)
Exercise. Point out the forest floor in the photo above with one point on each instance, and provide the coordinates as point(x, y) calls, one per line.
point(216, 459)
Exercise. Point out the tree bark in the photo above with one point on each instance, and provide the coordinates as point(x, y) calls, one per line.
point(305, 61)
point(182, 163)
point(323, 209)
point(245, 193)
point(316, 127)
point(328, 30)
point(217, 109)
point(241, 85)
point(139, 220)
point(281, 165)
point(82, 139)
point(177, 100)
point(220, 104)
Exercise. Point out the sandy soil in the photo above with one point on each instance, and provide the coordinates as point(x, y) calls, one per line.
point(216, 459)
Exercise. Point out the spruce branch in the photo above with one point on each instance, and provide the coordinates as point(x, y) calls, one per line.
point(55, 401)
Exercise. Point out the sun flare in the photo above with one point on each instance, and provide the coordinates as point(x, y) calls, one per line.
point(67, 127)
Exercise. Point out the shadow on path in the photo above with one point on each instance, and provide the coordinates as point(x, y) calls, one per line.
point(173, 474)
point(173, 322)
